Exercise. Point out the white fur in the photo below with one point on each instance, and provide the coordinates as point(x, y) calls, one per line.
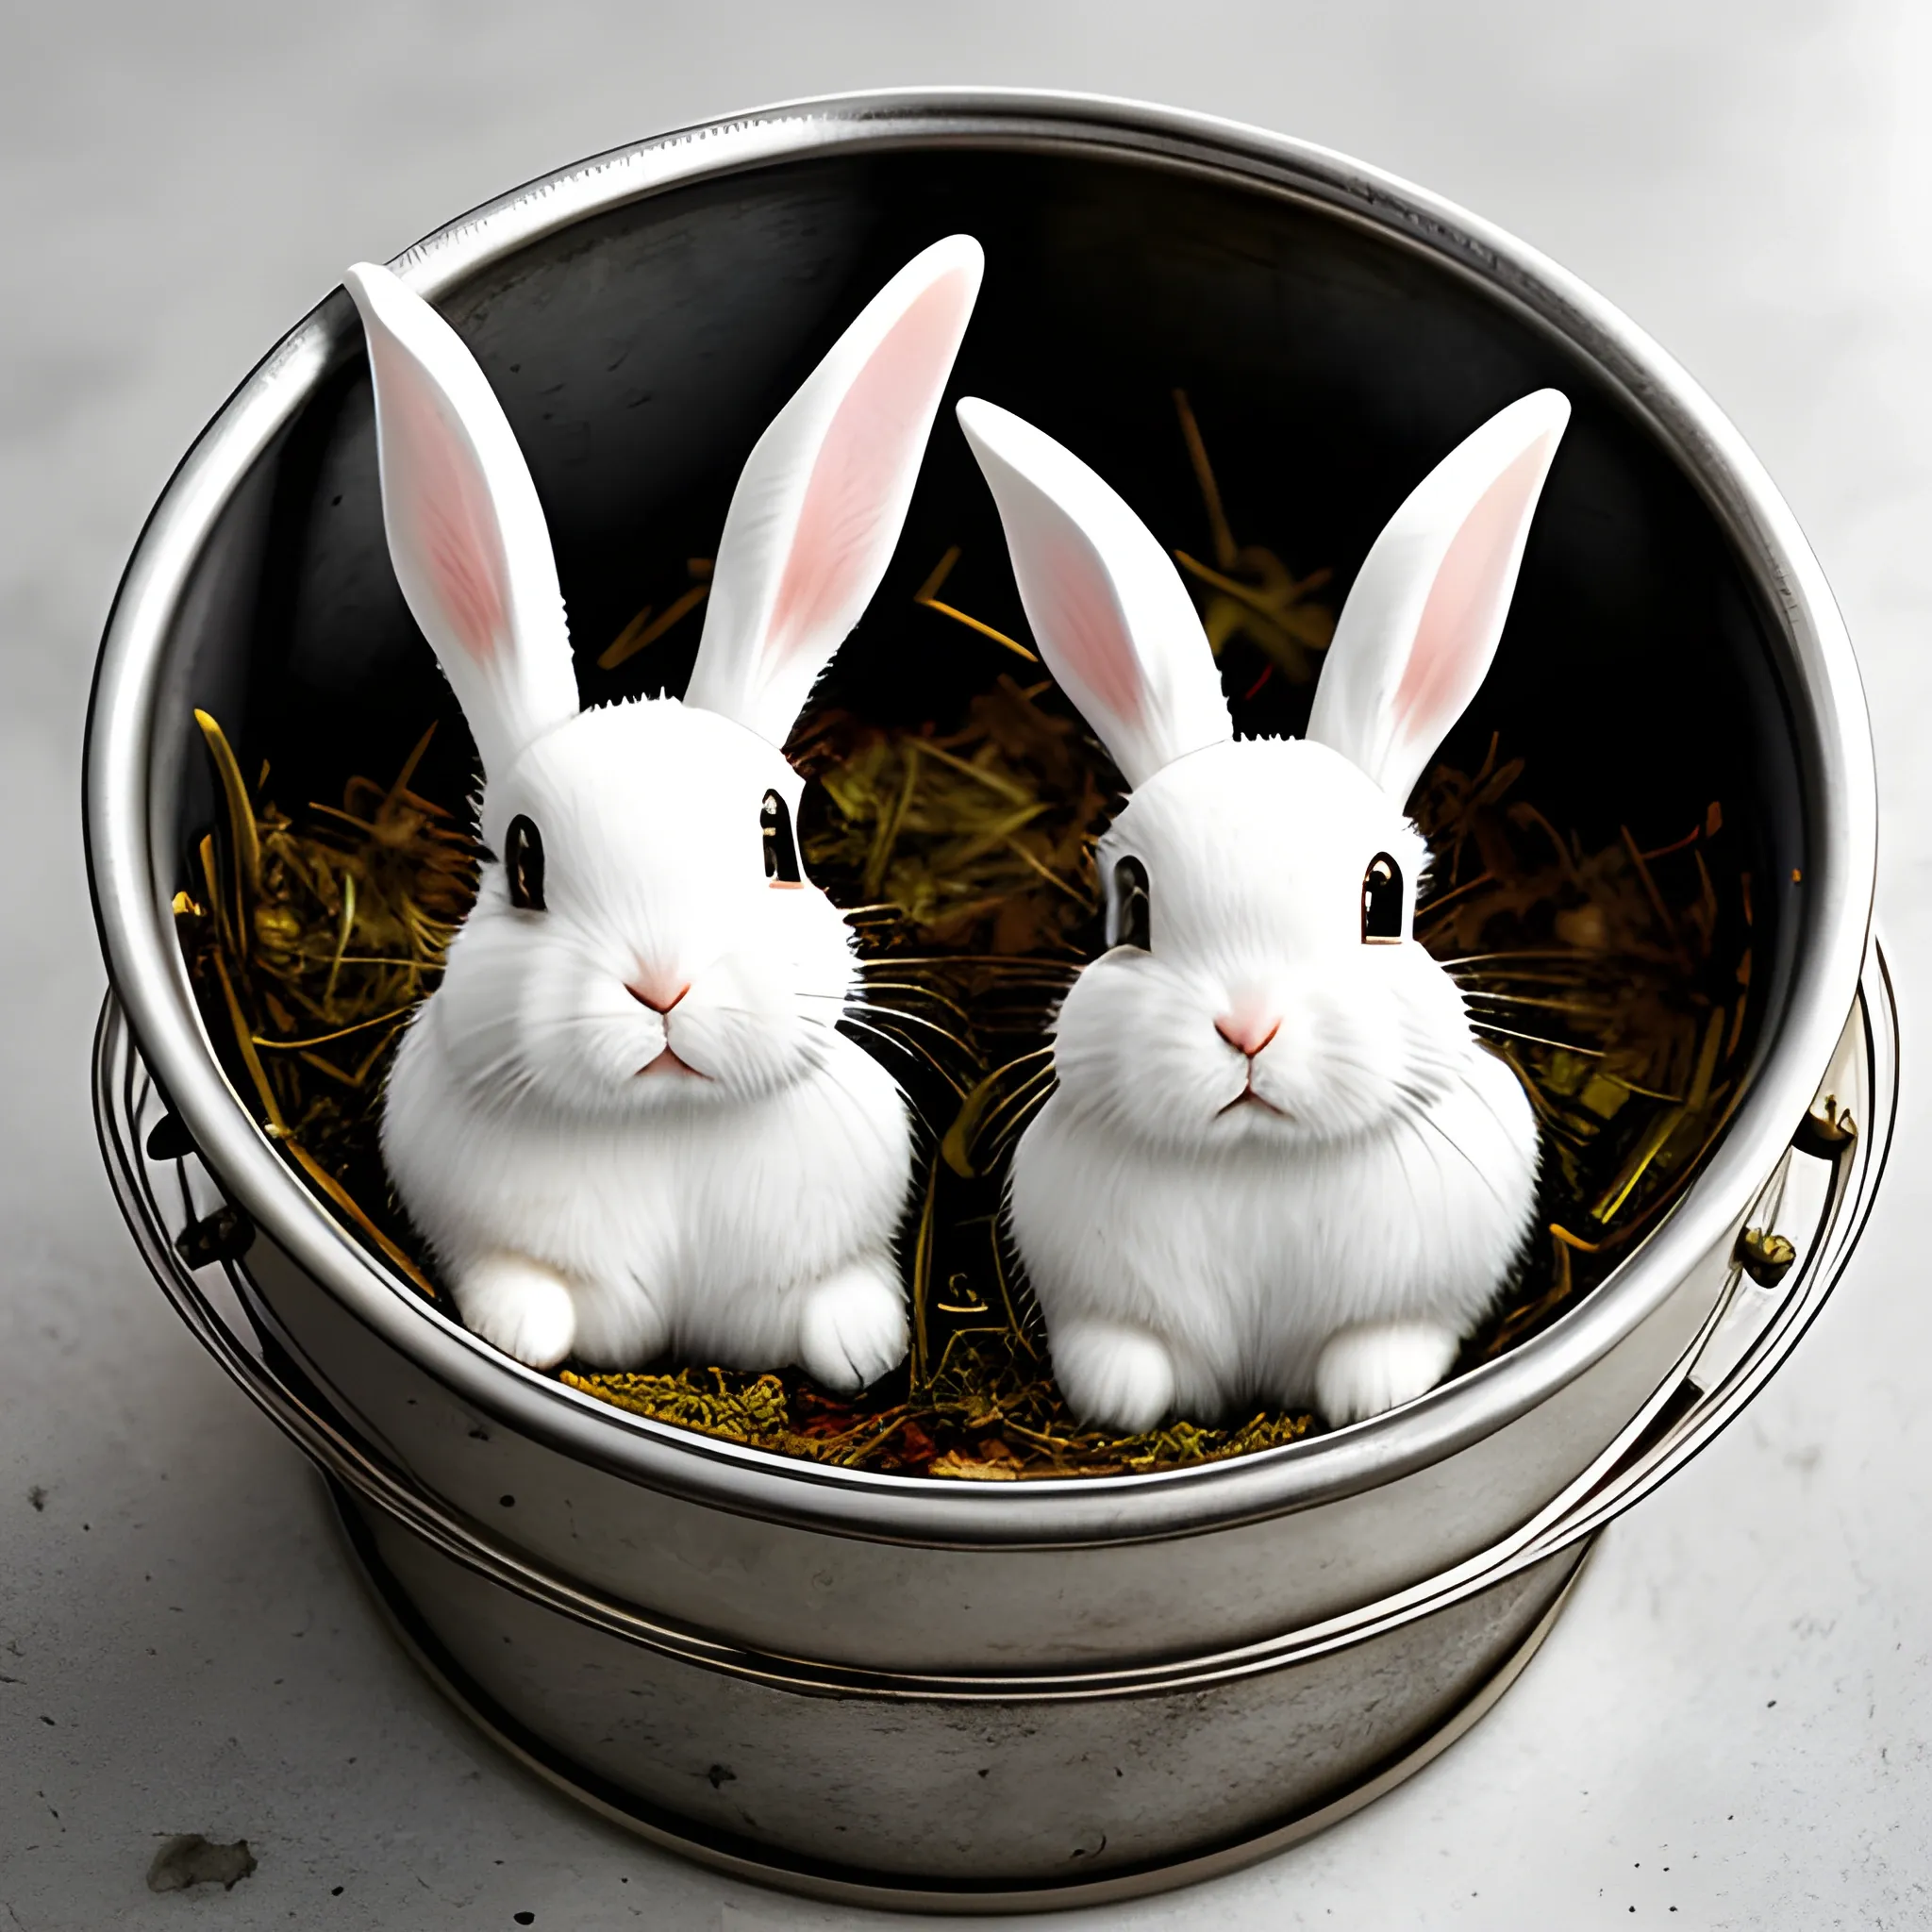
point(743, 1212)
point(823, 495)
point(1431, 596)
point(466, 532)
point(1094, 580)
point(724, 1176)
point(1319, 1214)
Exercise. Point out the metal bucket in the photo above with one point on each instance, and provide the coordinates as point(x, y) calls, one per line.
point(911, 1691)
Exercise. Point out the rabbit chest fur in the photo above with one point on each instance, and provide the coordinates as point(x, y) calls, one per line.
point(703, 1232)
point(1244, 1265)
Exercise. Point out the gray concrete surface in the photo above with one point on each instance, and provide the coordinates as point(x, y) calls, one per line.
point(1730, 1728)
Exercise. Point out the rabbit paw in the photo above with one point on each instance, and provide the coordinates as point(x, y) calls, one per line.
point(619, 1326)
point(520, 1307)
point(1120, 1377)
point(1364, 1371)
point(852, 1329)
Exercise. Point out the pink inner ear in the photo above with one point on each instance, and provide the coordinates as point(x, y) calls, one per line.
point(875, 435)
point(456, 537)
point(1464, 613)
point(1071, 600)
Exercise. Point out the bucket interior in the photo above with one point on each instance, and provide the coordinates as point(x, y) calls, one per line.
point(1327, 365)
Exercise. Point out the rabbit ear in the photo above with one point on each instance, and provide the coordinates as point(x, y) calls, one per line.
point(466, 533)
point(1108, 610)
point(820, 504)
point(1421, 625)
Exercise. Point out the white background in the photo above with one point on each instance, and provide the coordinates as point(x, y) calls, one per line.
point(1730, 1726)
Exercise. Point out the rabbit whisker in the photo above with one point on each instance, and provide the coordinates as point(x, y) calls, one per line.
point(1517, 999)
point(1491, 1030)
point(907, 1048)
point(1524, 952)
point(1018, 1109)
point(828, 1068)
point(1481, 1099)
point(896, 1013)
point(1039, 1076)
point(508, 1075)
point(923, 991)
point(1046, 969)
point(899, 1017)
point(1475, 978)
point(1424, 1120)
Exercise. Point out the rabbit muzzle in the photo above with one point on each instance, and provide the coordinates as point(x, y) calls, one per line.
point(655, 992)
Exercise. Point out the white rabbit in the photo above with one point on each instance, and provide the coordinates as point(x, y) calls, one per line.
point(1277, 1164)
point(624, 1121)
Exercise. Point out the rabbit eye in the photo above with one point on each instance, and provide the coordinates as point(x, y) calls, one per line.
point(1129, 908)
point(781, 848)
point(1382, 902)
point(522, 864)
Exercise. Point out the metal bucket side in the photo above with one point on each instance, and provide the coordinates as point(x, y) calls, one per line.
point(1004, 1801)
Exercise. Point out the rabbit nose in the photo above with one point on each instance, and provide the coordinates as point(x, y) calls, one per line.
point(1247, 1033)
point(651, 993)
